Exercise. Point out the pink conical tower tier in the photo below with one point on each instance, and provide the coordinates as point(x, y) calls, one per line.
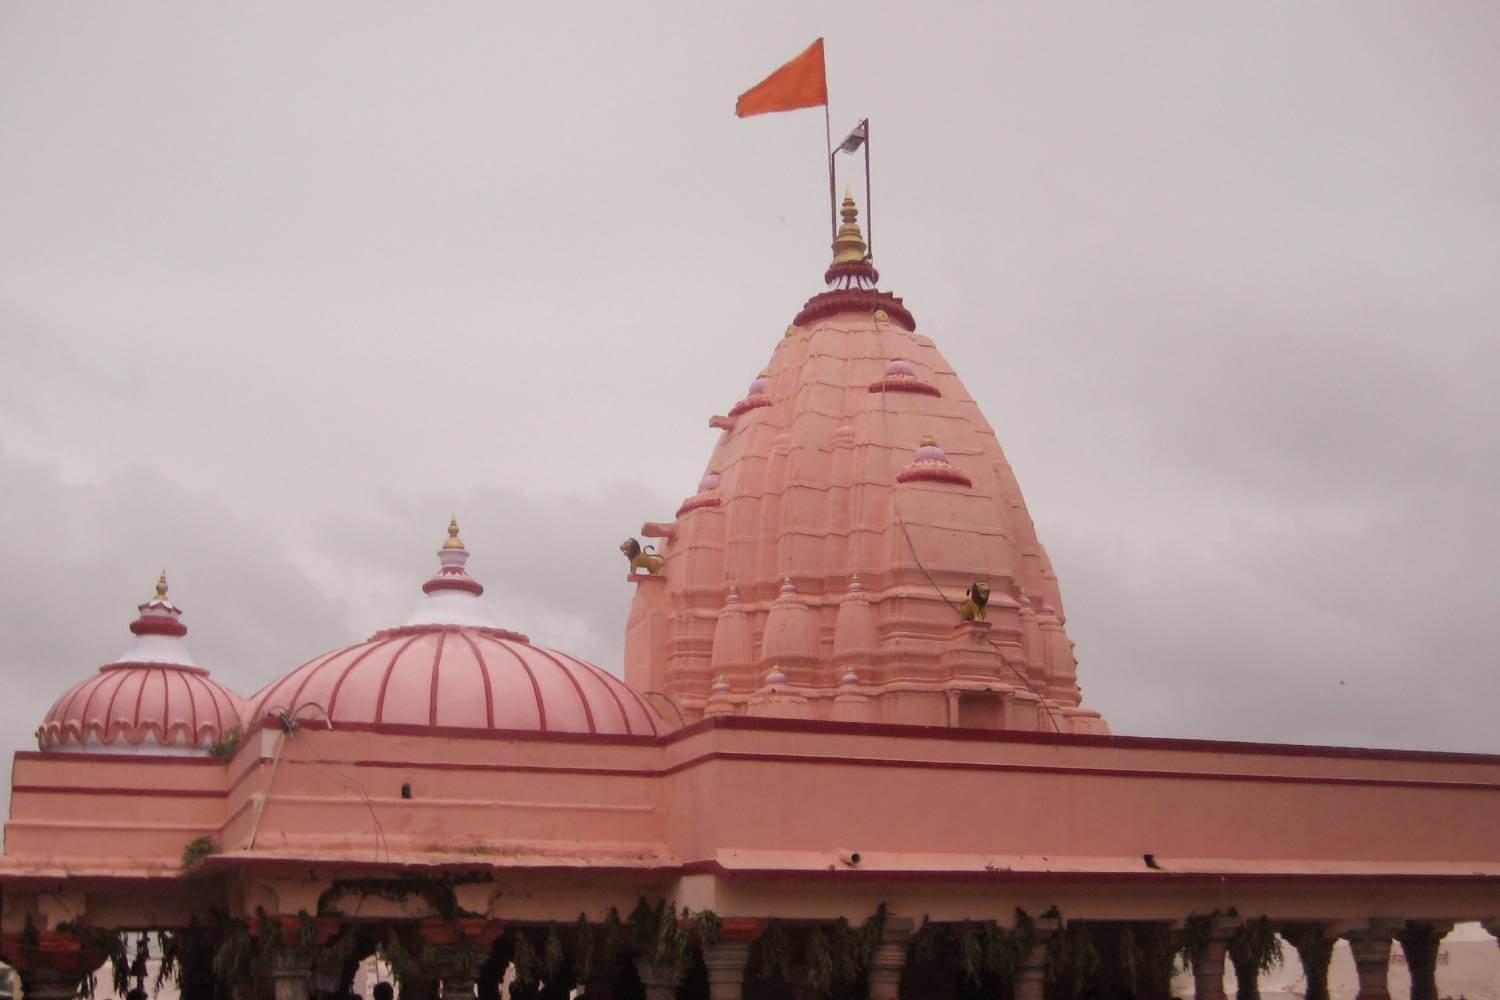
point(863, 457)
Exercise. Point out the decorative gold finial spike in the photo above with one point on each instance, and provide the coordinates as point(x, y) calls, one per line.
point(161, 586)
point(849, 246)
point(453, 542)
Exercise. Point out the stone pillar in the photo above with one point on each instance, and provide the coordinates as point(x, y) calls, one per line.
point(1031, 980)
point(458, 978)
point(1246, 977)
point(1419, 943)
point(660, 979)
point(1208, 964)
point(1372, 959)
point(1243, 952)
point(725, 963)
point(291, 974)
point(889, 958)
point(600, 987)
point(49, 984)
point(1314, 946)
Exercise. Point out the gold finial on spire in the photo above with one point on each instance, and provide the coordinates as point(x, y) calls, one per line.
point(161, 587)
point(849, 245)
point(453, 542)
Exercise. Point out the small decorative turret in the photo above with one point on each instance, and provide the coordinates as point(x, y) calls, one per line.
point(159, 616)
point(718, 699)
point(855, 642)
point(756, 396)
point(849, 245)
point(900, 376)
point(851, 704)
point(705, 497)
point(791, 635)
point(775, 699)
point(733, 649)
point(453, 542)
point(453, 596)
point(931, 466)
point(451, 575)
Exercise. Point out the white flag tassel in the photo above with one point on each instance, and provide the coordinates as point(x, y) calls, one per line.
point(854, 139)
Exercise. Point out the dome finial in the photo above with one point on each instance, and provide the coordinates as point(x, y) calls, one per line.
point(849, 245)
point(453, 542)
point(161, 586)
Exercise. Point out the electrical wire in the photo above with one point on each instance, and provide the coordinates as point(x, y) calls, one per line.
point(290, 724)
point(912, 548)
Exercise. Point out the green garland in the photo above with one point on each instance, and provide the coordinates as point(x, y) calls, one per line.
point(977, 948)
point(439, 893)
point(583, 949)
point(1315, 951)
point(526, 961)
point(1072, 958)
point(228, 744)
point(111, 943)
point(1256, 945)
point(1196, 931)
point(197, 849)
point(406, 968)
point(771, 956)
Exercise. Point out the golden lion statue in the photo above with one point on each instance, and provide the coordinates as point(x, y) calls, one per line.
point(973, 608)
point(640, 558)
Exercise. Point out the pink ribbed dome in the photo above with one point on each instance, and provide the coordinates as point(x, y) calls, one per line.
point(153, 698)
point(450, 667)
point(460, 677)
point(131, 703)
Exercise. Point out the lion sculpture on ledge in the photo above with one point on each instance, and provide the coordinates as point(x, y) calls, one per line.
point(978, 598)
point(640, 558)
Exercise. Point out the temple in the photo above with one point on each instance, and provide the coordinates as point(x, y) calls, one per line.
point(849, 758)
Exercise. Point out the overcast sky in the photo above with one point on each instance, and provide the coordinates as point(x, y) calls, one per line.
point(283, 285)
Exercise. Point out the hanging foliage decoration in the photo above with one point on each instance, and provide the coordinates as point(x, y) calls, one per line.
point(95, 939)
point(1072, 958)
point(1255, 945)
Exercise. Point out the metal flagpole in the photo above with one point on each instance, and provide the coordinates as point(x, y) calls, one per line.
point(869, 199)
point(833, 211)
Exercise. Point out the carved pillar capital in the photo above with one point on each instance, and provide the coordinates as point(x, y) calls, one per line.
point(889, 958)
point(725, 963)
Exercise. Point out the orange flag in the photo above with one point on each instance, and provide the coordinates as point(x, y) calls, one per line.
point(801, 83)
